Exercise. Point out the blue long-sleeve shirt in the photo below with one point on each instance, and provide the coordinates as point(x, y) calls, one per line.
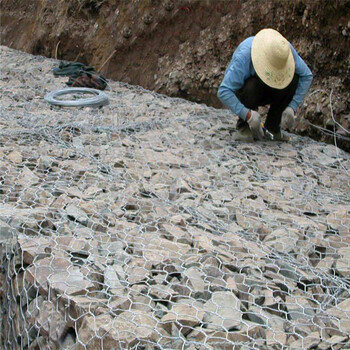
point(241, 68)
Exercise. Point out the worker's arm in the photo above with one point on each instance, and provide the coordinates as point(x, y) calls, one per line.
point(305, 79)
point(234, 79)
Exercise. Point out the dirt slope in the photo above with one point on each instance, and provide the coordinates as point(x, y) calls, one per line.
point(181, 48)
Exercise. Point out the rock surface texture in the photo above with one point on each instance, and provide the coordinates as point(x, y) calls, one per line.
point(182, 47)
point(142, 225)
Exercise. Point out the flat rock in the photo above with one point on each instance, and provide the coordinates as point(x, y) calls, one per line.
point(310, 341)
point(79, 306)
point(123, 331)
point(342, 313)
point(213, 339)
point(332, 342)
point(27, 178)
point(71, 282)
point(77, 214)
point(112, 280)
point(34, 247)
point(158, 250)
point(15, 157)
point(51, 322)
point(6, 232)
point(39, 272)
point(185, 316)
point(177, 234)
point(59, 274)
point(119, 304)
point(284, 240)
point(299, 307)
point(343, 263)
point(223, 311)
point(195, 279)
point(161, 292)
point(340, 220)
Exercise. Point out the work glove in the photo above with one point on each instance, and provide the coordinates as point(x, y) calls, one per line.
point(254, 123)
point(288, 118)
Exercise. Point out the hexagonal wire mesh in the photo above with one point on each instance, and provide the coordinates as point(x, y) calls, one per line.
point(141, 225)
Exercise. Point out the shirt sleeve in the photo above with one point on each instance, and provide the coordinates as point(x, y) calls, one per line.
point(305, 79)
point(234, 79)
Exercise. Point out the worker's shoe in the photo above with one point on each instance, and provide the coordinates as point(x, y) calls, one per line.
point(243, 134)
point(280, 136)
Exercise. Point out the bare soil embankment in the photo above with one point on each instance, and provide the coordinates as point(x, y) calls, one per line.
point(181, 48)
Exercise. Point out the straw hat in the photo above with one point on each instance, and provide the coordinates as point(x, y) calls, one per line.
point(273, 59)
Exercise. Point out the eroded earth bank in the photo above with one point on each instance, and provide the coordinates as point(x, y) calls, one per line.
point(181, 48)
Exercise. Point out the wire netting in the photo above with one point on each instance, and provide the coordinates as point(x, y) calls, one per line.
point(142, 225)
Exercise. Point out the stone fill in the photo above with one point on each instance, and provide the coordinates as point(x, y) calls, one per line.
point(142, 225)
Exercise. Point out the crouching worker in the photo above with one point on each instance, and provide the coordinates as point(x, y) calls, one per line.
point(265, 70)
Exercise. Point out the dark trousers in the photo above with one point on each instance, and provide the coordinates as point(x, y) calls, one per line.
point(255, 93)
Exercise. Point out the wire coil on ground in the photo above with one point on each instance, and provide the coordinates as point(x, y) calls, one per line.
point(99, 98)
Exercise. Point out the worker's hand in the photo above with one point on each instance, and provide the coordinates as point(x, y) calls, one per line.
point(254, 122)
point(288, 118)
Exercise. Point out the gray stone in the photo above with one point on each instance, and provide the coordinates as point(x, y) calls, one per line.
point(299, 308)
point(343, 263)
point(68, 342)
point(79, 306)
point(284, 240)
point(51, 322)
point(339, 220)
point(195, 279)
point(28, 178)
point(332, 342)
point(223, 311)
point(342, 313)
point(6, 232)
point(112, 279)
point(77, 214)
point(184, 315)
point(125, 330)
point(161, 292)
point(34, 247)
point(15, 157)
point(71, 282)
point(310, 341)
point(119, 304)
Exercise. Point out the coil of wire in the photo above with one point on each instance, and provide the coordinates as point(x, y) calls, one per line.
point(99, 98)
